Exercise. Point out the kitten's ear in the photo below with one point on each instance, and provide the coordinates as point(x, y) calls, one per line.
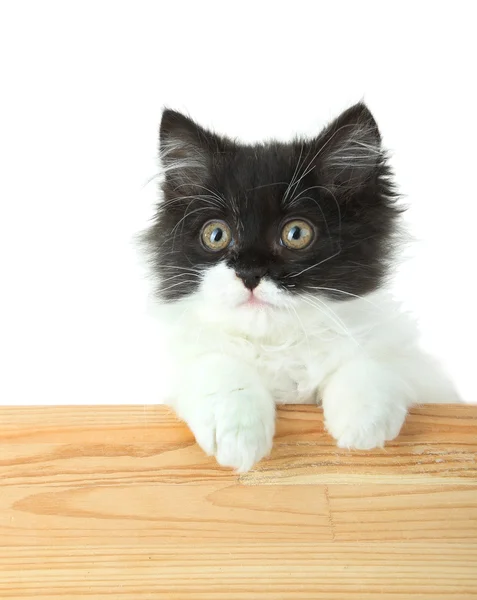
point(349, 150)
point(185, 149)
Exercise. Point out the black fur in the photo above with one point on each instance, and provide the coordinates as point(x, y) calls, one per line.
point(345, 193)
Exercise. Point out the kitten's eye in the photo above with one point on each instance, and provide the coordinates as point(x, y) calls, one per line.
point(216, 235)
point(297, 234)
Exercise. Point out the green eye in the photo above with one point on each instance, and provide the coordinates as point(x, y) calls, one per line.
point(216, 235)
point(297, 234)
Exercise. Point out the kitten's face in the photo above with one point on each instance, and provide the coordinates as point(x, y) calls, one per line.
point(253, 228)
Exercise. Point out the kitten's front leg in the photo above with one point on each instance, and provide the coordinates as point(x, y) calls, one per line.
point(230, 412)
point(365, 404)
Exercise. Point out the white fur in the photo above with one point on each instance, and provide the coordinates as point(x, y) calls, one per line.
point(230, 363)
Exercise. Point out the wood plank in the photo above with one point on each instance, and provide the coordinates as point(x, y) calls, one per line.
point(144, 423)
point(53, 447)
point(109, 515)
point(235, 571)
point(101, 502)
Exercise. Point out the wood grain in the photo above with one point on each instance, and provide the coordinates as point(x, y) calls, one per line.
point(118, 502)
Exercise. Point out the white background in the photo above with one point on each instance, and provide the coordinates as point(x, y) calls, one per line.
point(81, 91)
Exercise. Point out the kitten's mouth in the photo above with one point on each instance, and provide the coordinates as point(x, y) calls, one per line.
point(254, 302)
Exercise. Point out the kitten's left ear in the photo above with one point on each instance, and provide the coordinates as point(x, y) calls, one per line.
point(349, 149)
point(185, 149)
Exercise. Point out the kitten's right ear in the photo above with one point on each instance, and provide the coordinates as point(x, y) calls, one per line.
point(185, 149)
point(350, 151)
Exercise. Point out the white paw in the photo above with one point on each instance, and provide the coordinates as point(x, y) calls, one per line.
point(366, 431)
point(236, 427)
point(364, 410)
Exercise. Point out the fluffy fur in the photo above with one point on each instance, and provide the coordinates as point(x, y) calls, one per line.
point(259, 323)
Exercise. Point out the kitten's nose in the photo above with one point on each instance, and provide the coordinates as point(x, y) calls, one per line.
point(250, 276)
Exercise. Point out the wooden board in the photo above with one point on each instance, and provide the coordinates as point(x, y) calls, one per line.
point(118, 502)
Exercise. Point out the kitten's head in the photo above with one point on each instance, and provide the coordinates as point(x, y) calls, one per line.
point(258, 227)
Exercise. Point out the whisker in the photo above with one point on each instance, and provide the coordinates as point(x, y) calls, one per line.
point(259, 187)
point(297, 167)
point(179, 283)
point(333, 317)
point(181, 268)
point(215, 194)
point(220, 199)
point(185, 217)
point(151, 179)
point(303, 327)
point(328, 289)
point(315, 265)
point(207, 199)
point(180, 275)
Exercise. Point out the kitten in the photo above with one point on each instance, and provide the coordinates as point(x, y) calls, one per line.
point(271, 261)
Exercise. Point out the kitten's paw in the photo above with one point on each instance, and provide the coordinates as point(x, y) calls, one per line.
point(364, 431)
point(364, 410)
point(237, 427)
point(241, 445)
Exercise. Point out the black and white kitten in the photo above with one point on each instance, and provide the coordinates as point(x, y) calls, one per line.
point(271, 261)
